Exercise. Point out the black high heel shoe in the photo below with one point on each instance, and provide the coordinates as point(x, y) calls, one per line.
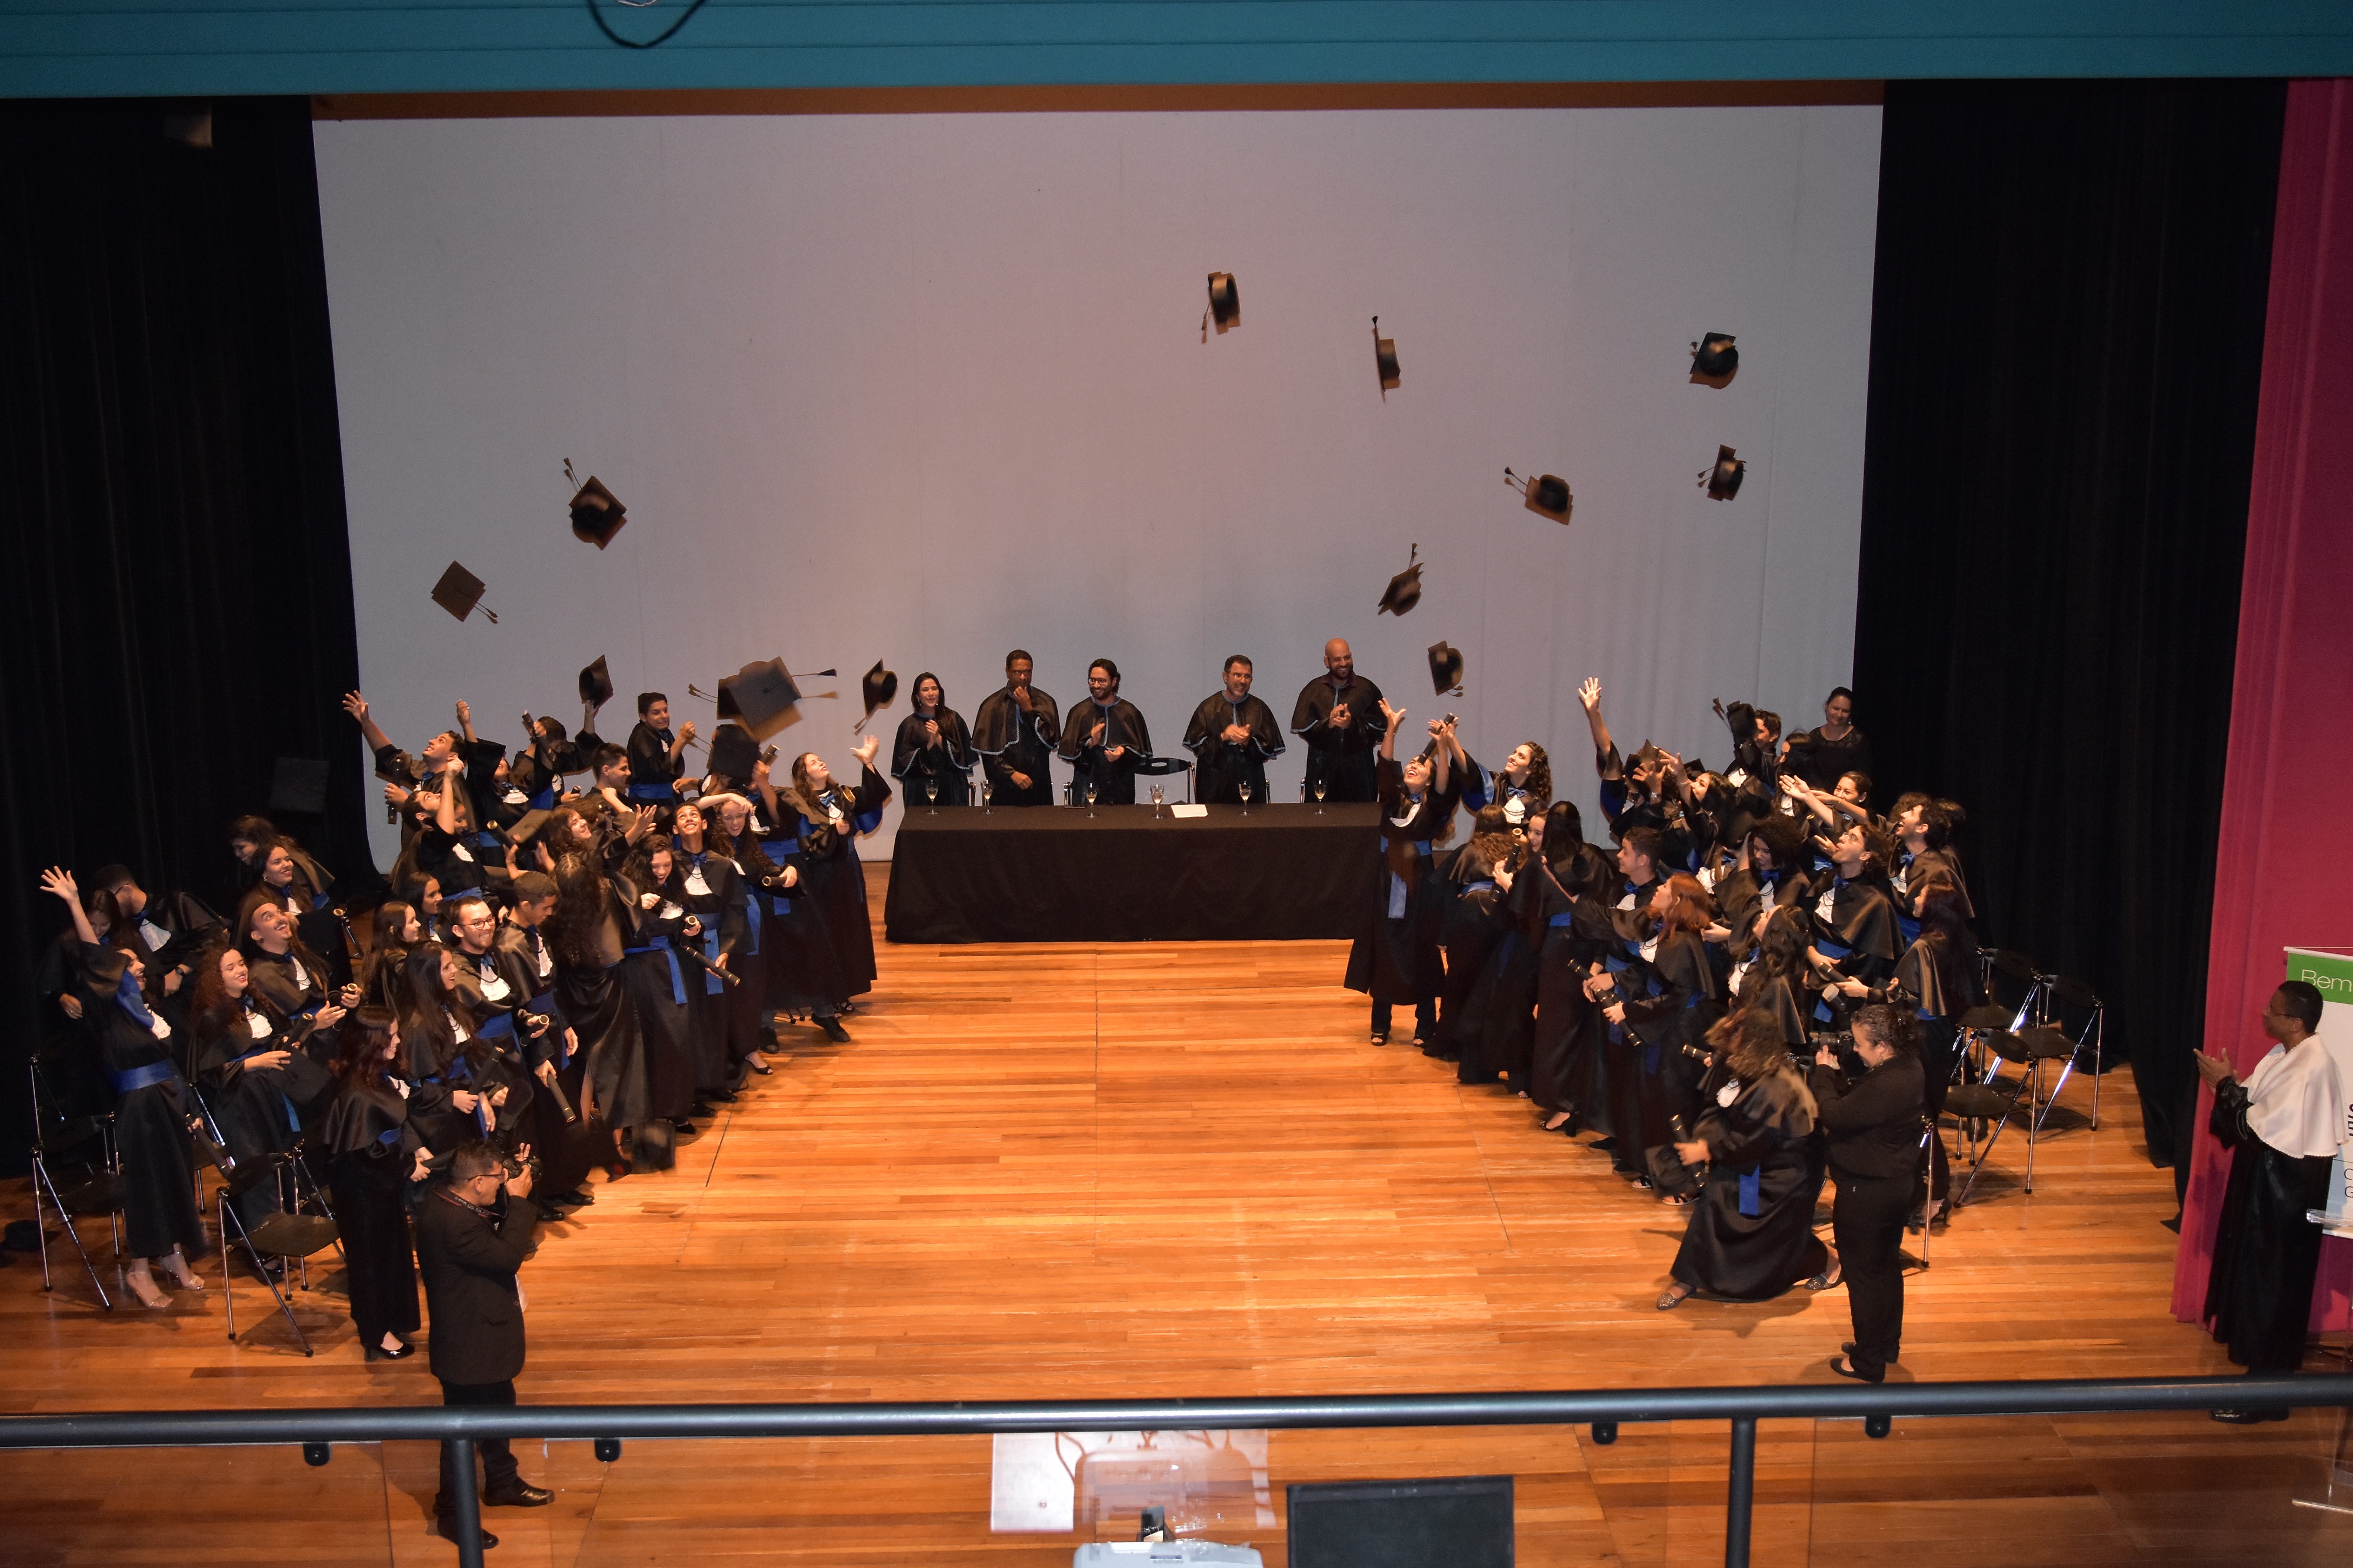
point(377, 1352)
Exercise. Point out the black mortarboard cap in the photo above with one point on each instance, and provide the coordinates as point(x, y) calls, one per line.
point(597, 683)
point(1405, 589)
point(1713, 359)
point(1225, 300)
point(1723, 479)
point(459, 592)
point(597, 513)
point(1445, 668)
point(758, 696)
point(299, 783)
point(878, 685)
point(734, 752)
point(1384, 358)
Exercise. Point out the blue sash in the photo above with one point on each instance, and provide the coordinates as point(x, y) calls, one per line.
point(752, 915)
point(711, 984)
point(1833, 951)
point(140, 1077)
point(1752, 1196)
point(1566, 917)
point(677, 979)
point(1478, 886)
point(501, 1027)
point(651, 793)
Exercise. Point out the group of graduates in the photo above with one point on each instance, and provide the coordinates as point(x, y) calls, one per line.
point(1753, 946)
point(583, 949)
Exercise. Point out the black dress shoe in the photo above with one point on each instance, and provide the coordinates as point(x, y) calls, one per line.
point(683, 1128)
point(1846, 1368)
point(447, 1529)
point(578, 1198)
point(522, 1494)
point(721, 1096)
point(834, 1031)
point(1605, 1144)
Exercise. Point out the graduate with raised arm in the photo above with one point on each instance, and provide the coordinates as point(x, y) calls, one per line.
point(655, 752)
point(1396, 958)
point(1015, 731)
point(825, 819)
point(1338, 715)
point(1232, 736)
point(933, 748)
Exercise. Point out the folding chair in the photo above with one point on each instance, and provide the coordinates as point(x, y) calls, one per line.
point(2081, 1015)
point(81, 1148)
point(1161, 767)
point(1995, 1099)
point(291, 1235)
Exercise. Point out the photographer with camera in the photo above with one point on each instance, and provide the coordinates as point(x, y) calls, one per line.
point(469, 1253)
point(1873, 1121)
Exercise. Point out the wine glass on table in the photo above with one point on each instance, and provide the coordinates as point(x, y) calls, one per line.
point(1245, 789)
point(1091, 799)
point(986, 789)
point(1319, 797)
point(932, 796)
point(1157, 795)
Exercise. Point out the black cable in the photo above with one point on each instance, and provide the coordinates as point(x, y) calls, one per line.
point(662, 37)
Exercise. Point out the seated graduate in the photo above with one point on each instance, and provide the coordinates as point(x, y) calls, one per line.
point(1232, 736)
point(1105, 740)
point(932, 749)
point(293, 980)
point(244, 1063)
point(1338, 715)
point(393, 930)
point(372, 1154)
point(1015, 731)
point(1751, 1236)
point(1396, 957)
point(2283, 1125)
point(655, 752)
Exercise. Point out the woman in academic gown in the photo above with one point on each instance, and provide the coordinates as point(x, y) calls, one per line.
point(1472, 923)
point(1670, 1011)
point(1496, 1035)
point(394, 929)
point(933, 747)
point(372, 1153)
point(299, 884)
point(1765, 876)
point(1772, 976)
point(151, 1117)
point(1394, 959)
point(2283, 1125)
point(656, 978)
point(826, 819)
point(244, 1064)
point(453, 1091)
point(705, 883)
point(591, 932)
point(1572, 878)
point(1523, 787)
point(801, 972)
point(1750, 1236)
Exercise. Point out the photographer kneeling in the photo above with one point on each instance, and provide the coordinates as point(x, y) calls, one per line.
point(469, 1253)
point(1874, 1123)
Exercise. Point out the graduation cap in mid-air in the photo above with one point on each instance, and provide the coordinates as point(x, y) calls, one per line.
point(597, 513)
point(759, 697)
point(1722, 481)
point(597, 684)
point(1445, 668)
point(1224, 304)
point(1385, 360)
point(878, 685)
point(1546, 494)
point(459, 592)
point(1713, 359)
point(1405, 589)
point(734, 752)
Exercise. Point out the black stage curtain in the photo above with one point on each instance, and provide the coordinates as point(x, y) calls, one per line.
point(175, 598)
point(2067, 335)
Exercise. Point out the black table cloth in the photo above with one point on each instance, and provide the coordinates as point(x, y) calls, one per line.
point(1054, 874)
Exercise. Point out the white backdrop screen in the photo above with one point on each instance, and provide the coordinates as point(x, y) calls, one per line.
point(923, 388)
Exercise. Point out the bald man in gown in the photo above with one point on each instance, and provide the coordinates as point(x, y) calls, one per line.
point(1338, 717)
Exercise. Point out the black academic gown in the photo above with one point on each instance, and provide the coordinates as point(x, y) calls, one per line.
point(2266, 1254)
point(1854, 928)
point(653, 777)
point(1123, 726)
point(1938, 983)
point(1472, 923)
point(556, 1131)
point(1750, 1236)
point(830, 870)
point(492, 988)
point(1011, 742)
point(1341, 757)
point(1563, 1055)
point(370, 1149)
point(800, 966)
point(1681, 998)
point(609, 1072)
point(915, 763)
point(656, 976)
point(1498, 1026)
point(151, 1130)
point(1222, 766)
point(1395, 956)
point(255, 1108)
point(721, 909)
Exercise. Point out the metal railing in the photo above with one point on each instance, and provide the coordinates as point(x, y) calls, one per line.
point(606, 1425)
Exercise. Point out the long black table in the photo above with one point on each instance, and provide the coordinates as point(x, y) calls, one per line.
point(1055, 874)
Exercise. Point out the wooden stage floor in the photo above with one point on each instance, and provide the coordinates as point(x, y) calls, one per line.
point(1164, 1171)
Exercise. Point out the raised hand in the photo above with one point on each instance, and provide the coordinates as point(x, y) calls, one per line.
point(864, 751)
point(1589, 693)
point(356, 705)
point(59, 881)
point(686, 730)
point(465, 714)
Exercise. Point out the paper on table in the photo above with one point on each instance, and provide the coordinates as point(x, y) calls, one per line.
point(1188, 811)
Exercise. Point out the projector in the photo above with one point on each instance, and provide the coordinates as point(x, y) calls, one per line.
point(1137, 1554)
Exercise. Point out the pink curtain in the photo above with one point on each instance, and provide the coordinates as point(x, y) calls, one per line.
point(2286, 838)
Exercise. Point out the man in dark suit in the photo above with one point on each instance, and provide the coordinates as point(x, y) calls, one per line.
point(470, 1254)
